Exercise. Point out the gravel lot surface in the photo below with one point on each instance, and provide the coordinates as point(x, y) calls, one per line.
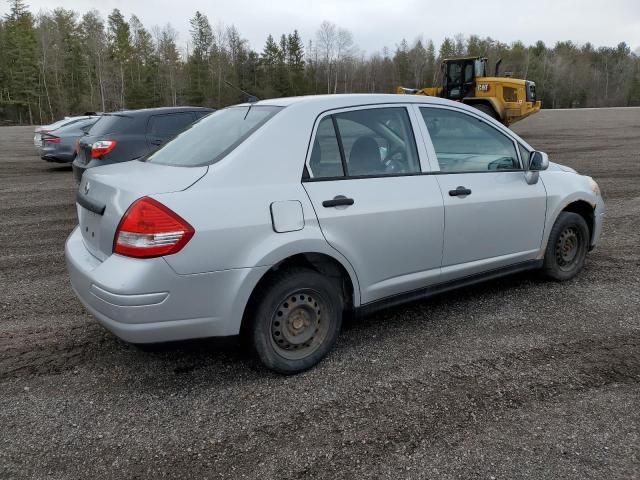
point(516, 378)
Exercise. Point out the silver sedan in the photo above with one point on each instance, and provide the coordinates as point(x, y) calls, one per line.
point(271, 219)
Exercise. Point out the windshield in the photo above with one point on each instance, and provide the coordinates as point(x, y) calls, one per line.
point(213, 137)
point(111, 123)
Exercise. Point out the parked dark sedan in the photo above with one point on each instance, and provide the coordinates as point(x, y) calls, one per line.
point(59, 145)
point(127, 135)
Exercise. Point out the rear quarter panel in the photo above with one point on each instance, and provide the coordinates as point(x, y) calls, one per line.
point(230, 206)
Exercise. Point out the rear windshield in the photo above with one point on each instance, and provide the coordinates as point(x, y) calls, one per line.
point(64, 122)
point(79, 125)
point(214, 136)
point(111, 123)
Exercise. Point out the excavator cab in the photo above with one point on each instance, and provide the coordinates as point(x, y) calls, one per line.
point(459, 76)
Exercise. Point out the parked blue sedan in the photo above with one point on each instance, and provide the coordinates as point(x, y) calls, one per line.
point(59, 145)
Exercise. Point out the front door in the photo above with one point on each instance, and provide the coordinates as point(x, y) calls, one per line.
point(493, 217)
point(373, 205)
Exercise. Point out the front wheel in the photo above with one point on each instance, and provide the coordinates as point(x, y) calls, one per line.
point(296, 321)
point(567, 247)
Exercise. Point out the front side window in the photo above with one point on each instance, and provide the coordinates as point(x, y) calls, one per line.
point(371, 142)
point(525, 155)
point(214, 136)
point(464, 143)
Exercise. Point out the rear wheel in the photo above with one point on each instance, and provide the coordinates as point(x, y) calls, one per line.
point(296, 321)
point(567, 247)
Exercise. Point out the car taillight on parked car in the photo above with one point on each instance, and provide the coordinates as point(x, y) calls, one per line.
point(51, 139)
point(102, 147)
point(149, 229)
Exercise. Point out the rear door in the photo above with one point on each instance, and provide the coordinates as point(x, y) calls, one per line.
point(493, 216)
point(373, 203)
point(162, 128)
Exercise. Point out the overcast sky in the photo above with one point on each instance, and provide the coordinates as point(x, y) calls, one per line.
point(379, 23)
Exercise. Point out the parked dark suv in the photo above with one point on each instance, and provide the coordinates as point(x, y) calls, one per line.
point(127, 135)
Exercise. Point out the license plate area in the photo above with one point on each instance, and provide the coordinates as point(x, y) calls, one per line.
point(90, 227)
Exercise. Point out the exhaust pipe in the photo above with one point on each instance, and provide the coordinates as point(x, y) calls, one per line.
point(497, 71)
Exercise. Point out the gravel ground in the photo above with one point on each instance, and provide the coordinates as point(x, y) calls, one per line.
point(516, 378)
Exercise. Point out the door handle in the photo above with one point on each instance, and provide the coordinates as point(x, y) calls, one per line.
point(460, 191)
point(337, 201)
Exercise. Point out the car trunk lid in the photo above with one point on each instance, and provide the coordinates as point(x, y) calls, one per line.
point(105, 194)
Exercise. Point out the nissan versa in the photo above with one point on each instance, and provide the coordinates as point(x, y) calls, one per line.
point(271, 219)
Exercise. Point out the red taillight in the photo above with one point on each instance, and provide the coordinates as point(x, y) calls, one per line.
point(102, 147)
point(77, 147)
point(51, 139)
point(149, 229)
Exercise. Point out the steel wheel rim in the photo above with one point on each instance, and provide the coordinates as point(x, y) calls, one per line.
point(568, 248)
point(299, 325)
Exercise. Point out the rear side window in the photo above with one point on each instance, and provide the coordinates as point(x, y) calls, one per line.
point(371, 142)
point(214, 137)
point(325, 161)
point(464, 143)
point(169, 125)
point(111, 123)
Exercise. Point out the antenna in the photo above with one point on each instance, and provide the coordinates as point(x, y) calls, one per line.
point(250, 98)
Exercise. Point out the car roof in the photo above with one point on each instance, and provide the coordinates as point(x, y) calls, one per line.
point(327, 102)
point(152, 111)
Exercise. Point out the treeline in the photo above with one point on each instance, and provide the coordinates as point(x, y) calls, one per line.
point(60, 63)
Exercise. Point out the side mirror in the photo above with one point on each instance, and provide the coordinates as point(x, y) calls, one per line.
point(538, 161)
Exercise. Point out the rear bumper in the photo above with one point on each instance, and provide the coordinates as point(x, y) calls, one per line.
point(61, 153)
point(145, 301)
point(50, 157)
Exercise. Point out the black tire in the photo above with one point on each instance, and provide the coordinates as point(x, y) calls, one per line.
point(487, 110)
point(296, 320)
point(567, 247)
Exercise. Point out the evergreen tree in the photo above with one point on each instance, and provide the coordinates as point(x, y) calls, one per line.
point(401, 63)
point(142, 69)
point(269, 60)
point(20, 62)
point(198, 59)
point(94, 40)
point(296, 64)
point(120, 50)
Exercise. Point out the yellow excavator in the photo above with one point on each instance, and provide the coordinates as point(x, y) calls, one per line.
point(464, 79)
